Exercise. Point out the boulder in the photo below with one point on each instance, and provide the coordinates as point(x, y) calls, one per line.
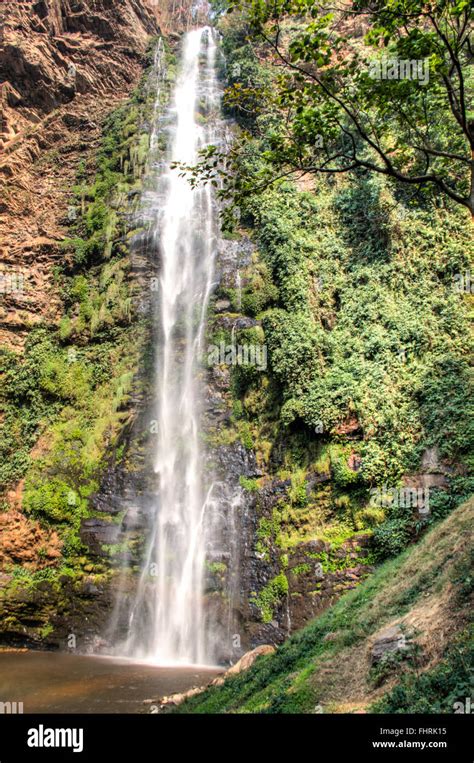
point(390, 640)
point(222, 306)
point(98, 532)
point(248, 659)
point(331, 636)
point(241, 666)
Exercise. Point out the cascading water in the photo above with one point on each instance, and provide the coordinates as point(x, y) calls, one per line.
point(166, 620)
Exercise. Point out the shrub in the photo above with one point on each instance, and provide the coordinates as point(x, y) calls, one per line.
point(271, 596)
point(52, 499)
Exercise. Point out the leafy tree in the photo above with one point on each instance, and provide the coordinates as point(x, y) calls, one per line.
point(371, 86)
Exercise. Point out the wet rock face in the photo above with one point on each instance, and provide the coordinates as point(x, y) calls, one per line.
point(231, 257)
point(433, 473)
point(313, 583)
point(311, 588)
point(96, 533)
point(64, 66)
point(316, 574)
point(65, 615)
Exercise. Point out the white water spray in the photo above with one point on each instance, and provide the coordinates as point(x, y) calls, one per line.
point(167, 621)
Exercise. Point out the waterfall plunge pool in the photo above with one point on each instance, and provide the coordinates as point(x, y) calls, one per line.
point(58, 682)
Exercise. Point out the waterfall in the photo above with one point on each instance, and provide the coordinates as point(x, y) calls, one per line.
point(238, 286)
point(166, 619)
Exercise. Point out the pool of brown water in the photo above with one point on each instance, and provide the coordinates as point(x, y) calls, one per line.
point(54, 682)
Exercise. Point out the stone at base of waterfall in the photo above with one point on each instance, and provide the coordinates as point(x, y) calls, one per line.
point(245, 662)
point(176, 699)
point(390, 640)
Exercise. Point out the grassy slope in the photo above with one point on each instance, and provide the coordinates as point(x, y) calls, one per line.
point(426, 589)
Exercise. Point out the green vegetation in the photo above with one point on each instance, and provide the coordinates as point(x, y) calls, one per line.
point(395, 102)
point(68, 393)
point(438, 689)
point(352, 283)
point(270, 596)
point(328, 662)
point(248, 484)
point(268, 533)
point(350, 289)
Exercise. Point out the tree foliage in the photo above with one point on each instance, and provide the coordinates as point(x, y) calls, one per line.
point(371, 87)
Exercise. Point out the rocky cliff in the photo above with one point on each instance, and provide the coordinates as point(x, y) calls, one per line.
point(294, 484)
point(64, 65)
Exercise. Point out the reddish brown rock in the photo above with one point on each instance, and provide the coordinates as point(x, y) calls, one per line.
point(64, 66)
point(348, 427)
point(26, 543)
